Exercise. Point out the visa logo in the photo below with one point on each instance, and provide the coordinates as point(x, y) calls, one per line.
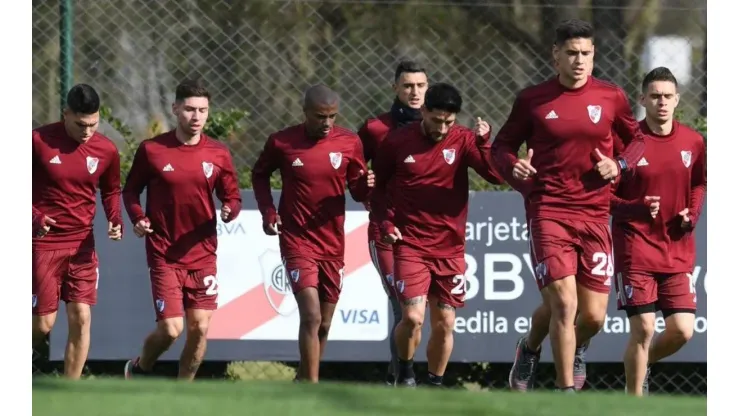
point(229, 229)
point(360, 316)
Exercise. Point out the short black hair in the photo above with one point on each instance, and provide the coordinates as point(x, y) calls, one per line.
point(83, 99)
point(319, 94)
point(443, 97)
point(191, 88)
point(573, 29)
point(408, 66)
point(660, 73)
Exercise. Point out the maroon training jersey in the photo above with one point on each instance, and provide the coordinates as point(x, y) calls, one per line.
point(673, 167)
point(429, 182)
point(312, 202)
point(564, 127)
point(180, 180)
point(66, 176)
point(372, 133)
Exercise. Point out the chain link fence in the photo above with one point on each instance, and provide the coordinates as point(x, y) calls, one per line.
point(258, 56)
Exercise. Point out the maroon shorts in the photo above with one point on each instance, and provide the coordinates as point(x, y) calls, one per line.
point(69, 274)
point(175, 289)
point(326, 276)
point(644, 292)
point(382, 257)
point(572, 248)
point(427, 276)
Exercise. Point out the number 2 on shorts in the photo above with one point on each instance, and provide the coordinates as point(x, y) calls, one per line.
point(211, 284)
point(459, 281)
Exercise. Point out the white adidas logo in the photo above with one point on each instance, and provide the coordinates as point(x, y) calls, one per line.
point(297, 162)
point(642, 162)
point(55, 160)
point(168, 168)
point(409, 159)
point(551, 115)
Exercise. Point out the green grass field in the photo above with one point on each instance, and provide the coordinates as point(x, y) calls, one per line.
point(221, 398)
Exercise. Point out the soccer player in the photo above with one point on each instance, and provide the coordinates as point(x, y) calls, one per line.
point(568, 123)
point(410, 86)
point(315, 160)
point(422, 173)
point(655, 210)
point(527, 355)
point(180, 170)
point(71, 161)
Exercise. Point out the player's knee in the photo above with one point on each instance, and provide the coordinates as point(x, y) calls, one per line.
point(170, 329)
point(680, 328)
point(324, 329)
point(412, 318)
point(542, 314)
point(443, 324)
point(78, 315)
point(311, 320)
point(591, 320)
point(198, 329)
point(562, 300)
point(642, 328)
point(44, 323)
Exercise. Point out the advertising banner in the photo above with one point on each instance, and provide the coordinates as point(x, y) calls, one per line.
point(257, 318)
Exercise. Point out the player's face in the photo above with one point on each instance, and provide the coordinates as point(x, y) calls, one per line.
point(192, 114)
point(410, 88)
point(320, 119)
point(660, 100)
point(574, 60)
point(437, 123)
point(80, 127)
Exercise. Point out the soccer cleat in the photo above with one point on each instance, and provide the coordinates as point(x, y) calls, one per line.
point(390, 378)
point(579, 367)
point(409, 382)
point(567, 390)
point(522, 374)
point(433, 380)
point(132, 369)
point(406, 376)
point(646, 383)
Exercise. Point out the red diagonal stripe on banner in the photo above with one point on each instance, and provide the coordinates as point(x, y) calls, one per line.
point(252, 309)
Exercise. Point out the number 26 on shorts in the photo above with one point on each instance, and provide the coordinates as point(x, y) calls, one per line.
point(604, 266)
